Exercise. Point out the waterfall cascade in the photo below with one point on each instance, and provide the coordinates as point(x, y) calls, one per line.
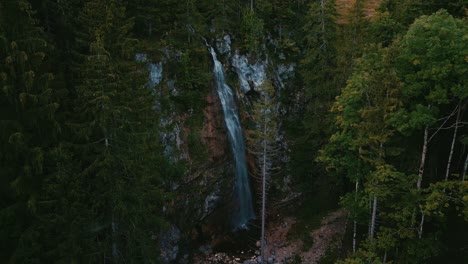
point(244, 210)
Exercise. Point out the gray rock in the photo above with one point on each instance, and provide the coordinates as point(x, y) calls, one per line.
point(141, 57)
point(156, 71)
point(210, 203)
point(254, 74)
point(168, 244)
point(205, 249)
point(224, 45)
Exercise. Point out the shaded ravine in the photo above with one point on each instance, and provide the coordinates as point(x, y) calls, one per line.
point(243, 211)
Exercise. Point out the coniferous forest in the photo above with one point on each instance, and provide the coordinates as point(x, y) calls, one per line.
point(234, 131)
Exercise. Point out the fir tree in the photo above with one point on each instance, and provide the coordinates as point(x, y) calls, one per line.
point(116, 138)
point(28, 132)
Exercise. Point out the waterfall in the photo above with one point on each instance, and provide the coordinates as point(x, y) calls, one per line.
point(244, 210)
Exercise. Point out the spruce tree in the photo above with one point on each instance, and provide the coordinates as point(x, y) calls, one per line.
point(28, 132)
point(115, 137)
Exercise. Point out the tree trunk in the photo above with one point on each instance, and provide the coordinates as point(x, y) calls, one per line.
point(374, 218)
point(453, 146)
point(420, 175)
point(370, 220)
point(264, 187)
point(113, 224)
point(464, 168)
point(355, 221)
point(423, 157)
point(421, 225)
point(114, 243)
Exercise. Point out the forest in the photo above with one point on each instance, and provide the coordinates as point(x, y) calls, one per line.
point(234, 131)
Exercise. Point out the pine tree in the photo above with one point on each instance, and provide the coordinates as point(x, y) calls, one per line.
point(115, 138)
point(28, 132)
point(319, 64)
point(318, 70)
point(252, 30)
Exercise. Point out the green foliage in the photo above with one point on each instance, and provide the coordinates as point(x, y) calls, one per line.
point(252, 29)
point(297, 259)
point(432, 59)
point(193, 82)
point(331, 255)
point(198, 151)
point(363, 111)
point(116, 113)
point(439, 197)
point(394, 92)
point(82, 170)
point(319, 64)
point(318, 72)
point(385, 29)
point(28, 132)
point(265, 119)
point(281, 20)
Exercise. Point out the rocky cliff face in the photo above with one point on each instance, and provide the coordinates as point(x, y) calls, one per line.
point(213, 133)
point(199, 212)
point(196, 212)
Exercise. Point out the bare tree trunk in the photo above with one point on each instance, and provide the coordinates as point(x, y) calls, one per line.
point(114, 243)
point(113, 224)
point(264, 187)
point(423, 160)
point(421, 225)
point(355, 221)
point(251, 5)
point(384, 258)
point(370, 220)
point(420, 176)
point(374, 218)
point(453, 145)
point(464, 168)
point(423, 157)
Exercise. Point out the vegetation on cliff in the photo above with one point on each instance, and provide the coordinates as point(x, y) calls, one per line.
point(95, 161)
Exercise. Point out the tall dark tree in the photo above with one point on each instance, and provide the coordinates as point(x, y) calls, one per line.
point(115, 137)
point(318, 71)
point(28, 129)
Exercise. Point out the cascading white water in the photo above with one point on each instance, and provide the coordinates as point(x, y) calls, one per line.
point(244, 210)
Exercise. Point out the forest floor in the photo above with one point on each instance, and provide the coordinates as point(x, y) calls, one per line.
point(311, 247)
point(285, 246)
